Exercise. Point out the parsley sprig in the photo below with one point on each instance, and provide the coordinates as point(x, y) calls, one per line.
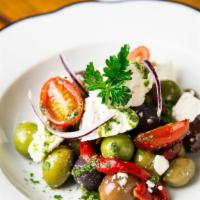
point(111, 84)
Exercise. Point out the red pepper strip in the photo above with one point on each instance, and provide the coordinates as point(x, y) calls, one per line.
point(163, 193)
point(156, 197)
point(163, 136)
point(112, 166)
point(87, 150)
point(172, 152)
point(141, 192)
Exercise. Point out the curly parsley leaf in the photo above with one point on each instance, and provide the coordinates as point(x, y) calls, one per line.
point(93, 78)
point(111, 83)
point(115, 96)
point(116, 70)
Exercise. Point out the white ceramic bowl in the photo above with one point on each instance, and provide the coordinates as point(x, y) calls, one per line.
point(84, 31)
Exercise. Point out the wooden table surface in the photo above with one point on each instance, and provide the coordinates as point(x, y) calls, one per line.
point(14, 10)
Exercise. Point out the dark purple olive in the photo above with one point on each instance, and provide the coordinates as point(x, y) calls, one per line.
point(148, 118)
point(89, 180)
point(192, 139)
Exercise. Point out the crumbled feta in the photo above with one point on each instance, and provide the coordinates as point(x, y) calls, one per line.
point(42, 144)
point(160, 187)
point(165, 71)
point(120, 178)
point(150, 186)
point(125, 119)
point(140, 84)
point(161, 164)
point(187, 107)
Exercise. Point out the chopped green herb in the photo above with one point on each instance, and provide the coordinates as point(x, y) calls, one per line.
point(115, 150)
point(88, 167)
point(46, 165)
point(90, 195)
point(112, 90)
point(107, 165)
point(143, 70)
point(34, 181)
point(149, 138)
point(58, 197)
point(155, 178)
point(31, 175)
point(26, 179)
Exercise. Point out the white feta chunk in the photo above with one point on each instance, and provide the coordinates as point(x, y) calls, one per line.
point(42, 144)
point(161, 164)
point(140, 85)
point(125, 119)
point(187, 107)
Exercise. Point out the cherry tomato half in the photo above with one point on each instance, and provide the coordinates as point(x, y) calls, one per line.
point(139, 54)
point(163, 136)
point(61, 102)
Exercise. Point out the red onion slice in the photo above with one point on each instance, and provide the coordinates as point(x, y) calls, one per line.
point(158, 86)
point(68, 135)
point(74, 78)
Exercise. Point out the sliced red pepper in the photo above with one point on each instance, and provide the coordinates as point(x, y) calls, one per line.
point(163, 136)
point(163, 193)
point(87, 150)
point(172, 152)
point(112, 165)
point(141, 192)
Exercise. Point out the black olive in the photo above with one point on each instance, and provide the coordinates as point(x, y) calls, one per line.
point(148, 118)
point(192, 139)
point(89, 180)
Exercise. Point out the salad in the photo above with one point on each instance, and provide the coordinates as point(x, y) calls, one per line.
point(123, 131)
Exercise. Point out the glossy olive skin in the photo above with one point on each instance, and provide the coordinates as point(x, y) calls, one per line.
point(148, 118)
point(171, 92)
point(110, 189)
point(90, 181)
point(181, 171)
point(192, 139)
point(119, 146)
point(57, 166)
point(23, 136)
point(144, 159)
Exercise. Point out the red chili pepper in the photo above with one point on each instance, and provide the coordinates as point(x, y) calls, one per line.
point(141, 192)
point(172, 152)
point(112, 165)
point(163, 136)
point(163, 193)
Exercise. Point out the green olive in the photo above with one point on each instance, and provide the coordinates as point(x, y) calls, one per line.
point(119, 146)
point(23, 136)
point(57, 166)
point(180, 172)
point(144, 159)
point(171, 92)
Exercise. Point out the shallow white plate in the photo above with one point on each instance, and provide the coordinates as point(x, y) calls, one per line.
point(85, 32)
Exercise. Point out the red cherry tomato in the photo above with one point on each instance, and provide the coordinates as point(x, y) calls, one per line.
point(139, 54)
point(163, 136)
point(61, 102)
